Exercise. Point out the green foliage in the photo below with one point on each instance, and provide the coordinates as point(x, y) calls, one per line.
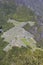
point(27, 27)
point(5, 10)
point(24, 14)
point(7, 26)
point(23, 56)
point(2, 45)
point(25, 41)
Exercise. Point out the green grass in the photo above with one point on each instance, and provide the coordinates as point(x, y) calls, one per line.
point(2, 46)
point(7, 26)
point(30, 43)
point(25, 41)
point(22, 56)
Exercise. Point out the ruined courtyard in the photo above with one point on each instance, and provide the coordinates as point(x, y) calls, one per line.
point(18, 36)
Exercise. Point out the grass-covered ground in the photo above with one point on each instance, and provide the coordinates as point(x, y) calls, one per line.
point(7, 26)
point(30, 42)
point(2, 45)
point(25, 41)
point(22, 56)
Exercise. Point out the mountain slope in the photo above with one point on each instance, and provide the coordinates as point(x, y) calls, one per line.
point(36, 5)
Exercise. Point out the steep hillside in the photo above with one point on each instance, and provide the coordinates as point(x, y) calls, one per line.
point(12, 9)
point(24, 13)
point(22, 56)
point(36, 5)
point(9, 8)
point(22, 10)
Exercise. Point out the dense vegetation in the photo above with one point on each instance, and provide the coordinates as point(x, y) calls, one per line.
point(5, 13)
point(24, 14)
point(2, 45)
point(22, 56)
